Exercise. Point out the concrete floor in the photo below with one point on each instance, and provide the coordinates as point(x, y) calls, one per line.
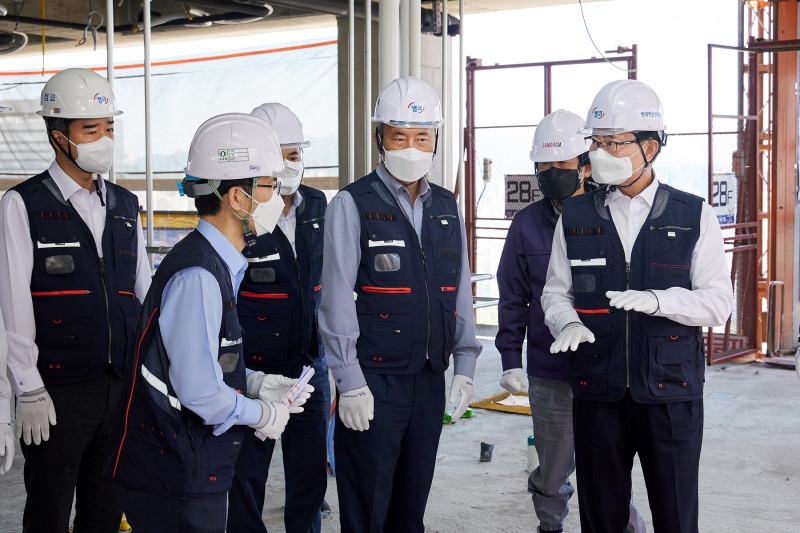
point(749, 472)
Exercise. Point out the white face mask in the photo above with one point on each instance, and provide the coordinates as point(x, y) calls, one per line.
point(95, 157)
point(409, 164)
point(610, 170)
point(266, 214)
point(290, 185)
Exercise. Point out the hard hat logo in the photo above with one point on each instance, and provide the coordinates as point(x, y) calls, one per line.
point(650, 114)
point(598, 113)
point(101, 99)
point(416, 108)
point(48, 97)
point(551, 144)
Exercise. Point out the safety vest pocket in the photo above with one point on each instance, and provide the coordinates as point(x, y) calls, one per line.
point(385, 339)
point(675, 366)
point(588, 368)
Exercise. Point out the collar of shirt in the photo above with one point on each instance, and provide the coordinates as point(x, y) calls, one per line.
point(233, 258)
point(395, 186)
point(297, 199)
point(648, 194)
point(69, 186)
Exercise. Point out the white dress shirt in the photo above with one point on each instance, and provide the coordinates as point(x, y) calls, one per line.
point(288, 222)
point(708, 303)
point(16, 266)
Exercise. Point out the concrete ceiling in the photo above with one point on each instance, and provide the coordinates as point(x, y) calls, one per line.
point(64, 21)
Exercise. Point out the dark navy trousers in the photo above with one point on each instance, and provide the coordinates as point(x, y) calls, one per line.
point(151, 513)
point(305, 465)
point(667, 437)
point(384, 474)
point(71, 464)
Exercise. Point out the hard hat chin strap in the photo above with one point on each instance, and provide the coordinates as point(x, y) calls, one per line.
point(644, 167)
point(249, 236)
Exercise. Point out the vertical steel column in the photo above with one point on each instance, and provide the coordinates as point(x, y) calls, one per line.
point(148, 138)
point(470, 211)
point(445, 129)
point(367, 86)
point(351, 86)
point(388, 42)
point(112, 174)
point(461, 114)
point(414, 37)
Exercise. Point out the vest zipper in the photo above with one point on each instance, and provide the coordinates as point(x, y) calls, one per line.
point(627, 330)
point(191, 445)
point(653, 228)
point(105, 297)
point(303, 303)
point(427, 302)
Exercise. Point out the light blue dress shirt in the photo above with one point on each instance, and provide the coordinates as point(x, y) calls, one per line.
point(191, 316)
point(338, 322)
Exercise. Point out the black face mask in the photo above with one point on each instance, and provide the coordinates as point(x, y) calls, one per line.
point(559, 183)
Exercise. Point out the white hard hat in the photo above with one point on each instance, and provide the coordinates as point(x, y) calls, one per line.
point(284, 122)
point(408, 103)
point(233, 146)
point(625, 105)
point(557, 137)
point(78, 93)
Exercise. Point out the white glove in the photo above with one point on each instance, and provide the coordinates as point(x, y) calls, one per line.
point(35, 414)
point(642, 301)
point(274, 417)
point(461, 385)
point(273, 387)
point(357, 408)
point(6, 447)
point(514, 380)
point(570, 337)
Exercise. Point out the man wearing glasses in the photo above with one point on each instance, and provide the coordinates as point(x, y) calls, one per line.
point(637, 268)
point(183, 414)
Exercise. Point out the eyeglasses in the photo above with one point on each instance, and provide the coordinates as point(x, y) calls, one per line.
point(277, 185)
point(608, 146)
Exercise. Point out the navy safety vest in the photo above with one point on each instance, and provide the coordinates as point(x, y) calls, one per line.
point(163, 447)
point(280, 294)
point(658, 359)
point(85, 307)
point(406, 292)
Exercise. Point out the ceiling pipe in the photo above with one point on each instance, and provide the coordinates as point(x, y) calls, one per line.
point(231, 7)
point(46, 22)
point(327, 7)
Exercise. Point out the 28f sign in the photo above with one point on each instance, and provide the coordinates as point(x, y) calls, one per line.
point(723, 197)
point(521, 191)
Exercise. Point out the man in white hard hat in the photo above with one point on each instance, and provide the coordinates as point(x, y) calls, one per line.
point(73, 271)
point(637, 268)
point(278, 306)
point(183, 419)
point(561, 157)
point(398, 242)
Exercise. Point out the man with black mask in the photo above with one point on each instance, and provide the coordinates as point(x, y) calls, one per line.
point(563, 170)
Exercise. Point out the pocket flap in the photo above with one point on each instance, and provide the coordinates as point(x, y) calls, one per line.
point(672, 355)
